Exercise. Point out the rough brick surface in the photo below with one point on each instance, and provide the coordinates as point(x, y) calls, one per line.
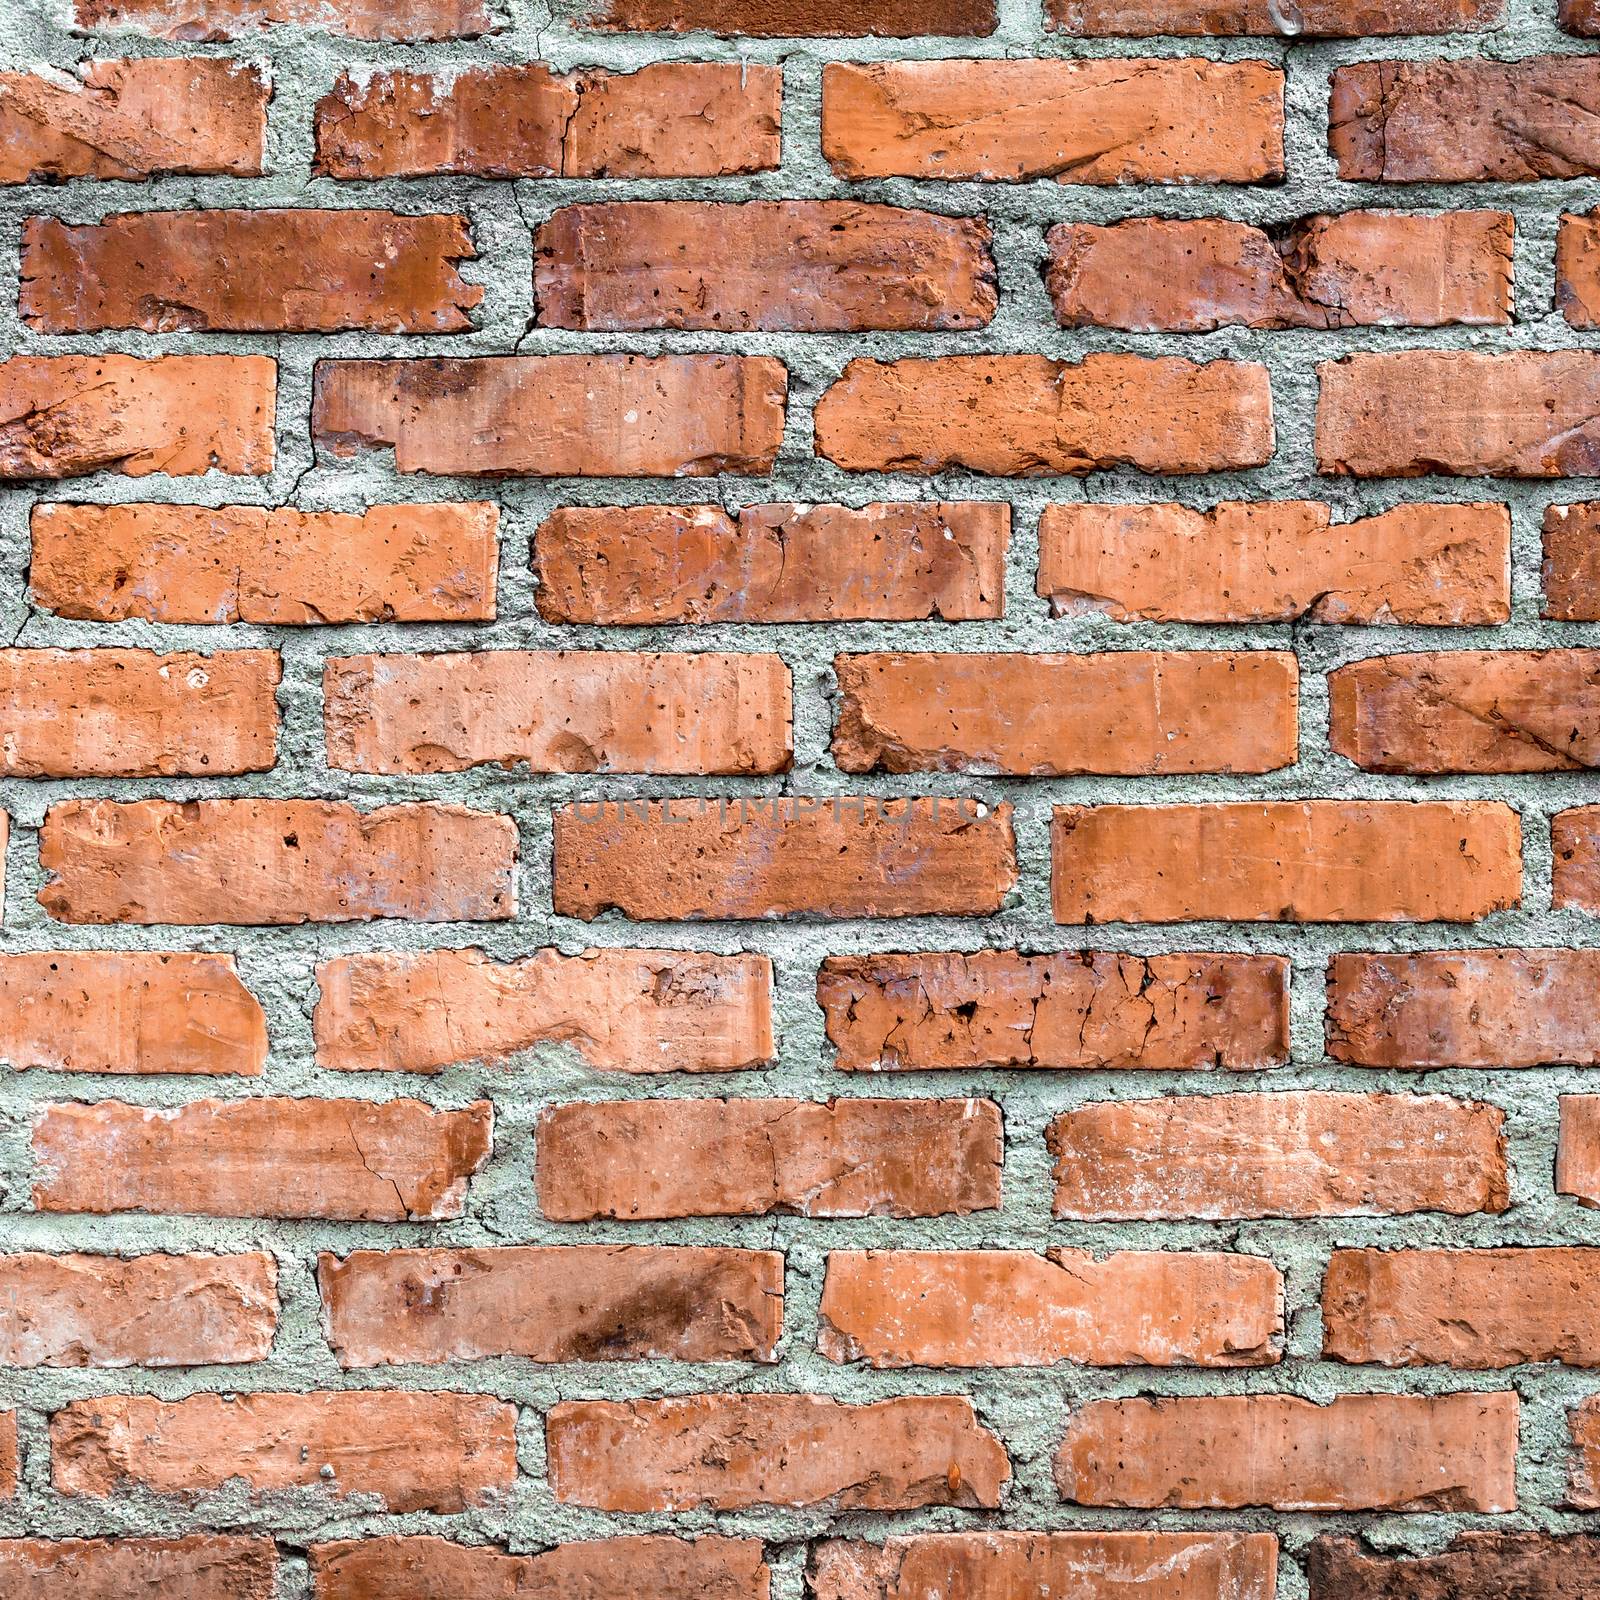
point(1571, 572)
point(1578, 1152)
point(207, 20)
point(1311, 18)
point(761, 18)
point(1473, 1566)
point(195, 1567)
point(1575, 846)
point(846, 1158)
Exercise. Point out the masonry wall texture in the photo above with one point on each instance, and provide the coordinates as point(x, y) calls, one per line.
point(797, 799)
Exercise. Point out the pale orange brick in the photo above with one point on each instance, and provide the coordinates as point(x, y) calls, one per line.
point(146, 1311)
point(1578, 1149)
point(199, 1566)
point(558, 711)
point(1013, 1308)
point(208, 20)
point(345, 1160)
point(1575, 848)
point(617, 1010)
point(1310, 19)
point(1572, 562)
point(560, 1303)
point(841, 1158)
point(1584, 1480)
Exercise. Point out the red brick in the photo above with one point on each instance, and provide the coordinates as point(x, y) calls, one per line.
point(558, 711)
point(274, 862)
point(1166, 121)
point(1278, 1155)
point(617, 1010)
point(654, 1159)
point(425, 1567)
point(556, 416)
point(1286, 861)
point(128, 1011)
point(133, 120)
point(626, 565)
point(133, 713)
point(9, 1462)
point(1013, 1308)
point(412, 1452)
point(1578, 269)
point(809, 266)
point(562, 1303)
point(669, 119)
point(166, 563)
point(343, 1160)
point(1572, 562)
point(1473, 1566)
point(147, 1311)
point(1584, 1483)
point(1468, 711)
point(1462, 1308)
point(781, 856)
point(66, 416)
point(1581, 17)
point(1029, 416)
point(1466, 120)
point(200, 1566)
point(1465, 1008)
point(1359, 1452)
point(1277, 561)
point(1087, 1566)
point(1079, 1009)
point(1133, 712)
point(1308, 19)
point(897, 19)
point(209, 20)
point(1578, 1149)
point(722, 1452)
point(1575, 847)
point(1527, 414)
point(1360, 269)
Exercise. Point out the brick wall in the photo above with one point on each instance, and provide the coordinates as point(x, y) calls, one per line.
point(799, 799)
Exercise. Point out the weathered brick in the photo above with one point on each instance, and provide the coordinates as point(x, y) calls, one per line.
point(133, 713)
point(709, 1567)
point(809, 266)
point(1575, 849)
point(1462, 1308)
point(1160, 1308)
point(10, 1464)
point(1466, 120)
point(555, 416)
point(898, 19)
point(643, 1159)
point(1079, 1009)
point(1089, 1566)
point(1468, 711)
point(1286, 861)
point(1132, 712)
point(128, 1011)
point(300, 271)
point(344, 1160)
point(1578, 1149)
point(1572, 562)
point(1277, 561)
point(1464, 1008)
point(562, 1303)
point(1359, 269)
point(558, 711)
point(412, 1452)
point(671, 860)
point(1578, 269)
point(209, 20)
point(1474, 1566)
point(1584, 1483)
point(1526, 414)
point(147, 1311)
point(1308, 19)
point(133, 120)
point(618, 1010)
point(66, 416)
point(773, 563)
point(274, 862)
point(200, 1566)
point(722, 1452)
point(167, 563)
point(1380, 1452)
point(1029, 416)
point(1278, 1155)
point(1152, 121)
point(668, 119)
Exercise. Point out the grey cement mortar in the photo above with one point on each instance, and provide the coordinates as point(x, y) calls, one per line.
point(1028, 1408)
